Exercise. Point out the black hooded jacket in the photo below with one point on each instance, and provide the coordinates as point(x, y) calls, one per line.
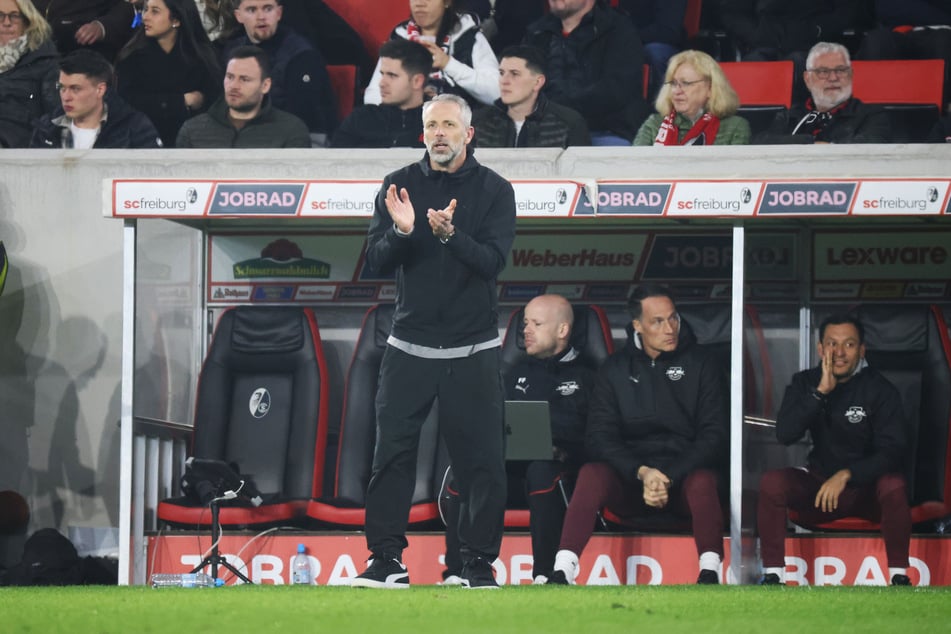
point(446, 294)
point(669, 413)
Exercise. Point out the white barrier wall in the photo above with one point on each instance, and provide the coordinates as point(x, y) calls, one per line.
point(60, 315)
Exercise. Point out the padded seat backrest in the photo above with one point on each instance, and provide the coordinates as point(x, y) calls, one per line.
point(344, 79)
point(764, 89)
point(908, 344)
point(262, 399)
point(372, 19)
point(590, 336)
point(910, 90)
point(358, 423)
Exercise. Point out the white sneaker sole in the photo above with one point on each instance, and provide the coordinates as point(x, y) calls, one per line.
point(390, 584)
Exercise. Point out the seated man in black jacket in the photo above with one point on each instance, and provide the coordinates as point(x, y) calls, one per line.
point(553, 372)
point(523, 116)
point(92, 114)
point(831, 114)
point(656, 436)
point(855, 419)
point(398, 120)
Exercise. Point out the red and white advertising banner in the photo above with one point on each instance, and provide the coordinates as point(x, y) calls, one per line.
point(608, 560)
point(540, 198)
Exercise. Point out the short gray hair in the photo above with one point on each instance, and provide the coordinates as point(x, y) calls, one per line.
point(822, 48)
point(464, 110)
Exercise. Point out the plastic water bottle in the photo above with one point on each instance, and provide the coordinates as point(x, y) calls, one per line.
point(185, 580)
point(300, 568)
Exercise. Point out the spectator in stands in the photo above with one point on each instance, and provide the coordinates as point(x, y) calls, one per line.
point(941, 132)
point(102, 25)
point(169, 69)
point(769, 30)
point(463, 62)
point(552, 372)
point(656, 436)
point(523, 116)
point(660, 23)
point(831, 114)
point(503, 22)
point(595, 66)
point(92, 114)
point(855, 420)
point(244, 116)
point(398, 120)
point(696, 106)
point(28, 71)
point(444, 343)
point(911, 29)
point(299, 81)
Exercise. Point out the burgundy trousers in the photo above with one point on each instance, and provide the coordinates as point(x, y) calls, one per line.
point(885, 501)
point(599, 486)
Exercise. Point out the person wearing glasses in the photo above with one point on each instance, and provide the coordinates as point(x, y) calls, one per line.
point(695, 106)
point(831, 114)
point(656, 436)
point(28, 71)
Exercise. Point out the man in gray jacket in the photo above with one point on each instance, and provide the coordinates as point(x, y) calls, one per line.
point(243, 117)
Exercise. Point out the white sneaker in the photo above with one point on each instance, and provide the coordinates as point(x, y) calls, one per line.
point(540, 580)
point(452, 580)
point(566, 563)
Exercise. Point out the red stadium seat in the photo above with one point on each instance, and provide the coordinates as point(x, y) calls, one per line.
point(372, 19)
point(343, 80)
point(910, 90)
point(761, 83)
point(764, 88)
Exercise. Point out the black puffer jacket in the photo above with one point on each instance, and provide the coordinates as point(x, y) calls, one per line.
point(122, 127)
point(549, 125)
point(670, 413)
point(27, 91)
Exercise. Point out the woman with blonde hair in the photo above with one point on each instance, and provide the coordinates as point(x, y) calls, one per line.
point(28, 71)
point(695, 106)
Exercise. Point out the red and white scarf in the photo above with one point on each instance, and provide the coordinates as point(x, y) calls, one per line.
point(413, 33)
point(703, 132)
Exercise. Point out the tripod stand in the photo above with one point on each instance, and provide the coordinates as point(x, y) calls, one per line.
point(214, 559)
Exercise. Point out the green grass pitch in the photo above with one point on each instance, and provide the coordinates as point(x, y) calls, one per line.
point(437, 610)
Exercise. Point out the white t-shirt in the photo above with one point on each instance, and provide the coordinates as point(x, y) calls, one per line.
point(83, 138)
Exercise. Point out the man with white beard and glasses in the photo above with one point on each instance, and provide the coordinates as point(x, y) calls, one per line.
point(831, 114)
point(444, 226)
point(243, 116)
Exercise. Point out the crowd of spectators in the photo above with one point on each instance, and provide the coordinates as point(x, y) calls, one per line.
point(599, 66)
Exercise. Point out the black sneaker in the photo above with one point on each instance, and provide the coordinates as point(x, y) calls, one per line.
point(557, 578)
point(383, 572)
point(708, 577)
point(477, 575)
point(901, 580)
point(771, 579)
